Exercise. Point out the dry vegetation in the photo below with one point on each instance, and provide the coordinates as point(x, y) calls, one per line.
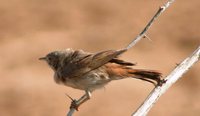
point(30, 29)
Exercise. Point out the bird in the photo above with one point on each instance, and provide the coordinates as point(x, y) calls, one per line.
point(90, 71)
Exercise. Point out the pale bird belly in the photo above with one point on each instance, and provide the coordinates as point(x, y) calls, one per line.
point(91, 81)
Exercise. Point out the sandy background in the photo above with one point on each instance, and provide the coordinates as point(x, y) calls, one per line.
point(30, 29)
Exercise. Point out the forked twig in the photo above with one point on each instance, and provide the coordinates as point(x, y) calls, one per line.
point(170, 80)
point(142, 34)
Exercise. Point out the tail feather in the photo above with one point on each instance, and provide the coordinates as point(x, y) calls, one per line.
point(146, 75)
point(116, 72)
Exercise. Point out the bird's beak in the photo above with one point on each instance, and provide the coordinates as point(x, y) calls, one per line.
point(42, 58)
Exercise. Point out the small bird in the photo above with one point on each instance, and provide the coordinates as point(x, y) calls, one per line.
point(90, 71)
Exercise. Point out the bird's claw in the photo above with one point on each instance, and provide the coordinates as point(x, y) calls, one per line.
point(161, 82)
point(74, 105)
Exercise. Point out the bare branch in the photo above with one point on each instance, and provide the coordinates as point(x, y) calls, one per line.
point(70, 113)
point(170, 80)
point(142, 34)
point(78, 102)
point(72, 110)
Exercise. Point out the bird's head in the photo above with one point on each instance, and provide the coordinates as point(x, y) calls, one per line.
point(53, 59)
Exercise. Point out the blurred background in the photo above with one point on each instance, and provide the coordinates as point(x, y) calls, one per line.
point(30, 29)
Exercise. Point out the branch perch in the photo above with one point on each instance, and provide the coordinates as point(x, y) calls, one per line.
point(170, 80)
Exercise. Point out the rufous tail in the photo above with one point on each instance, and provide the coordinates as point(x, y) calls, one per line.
point(146, 75)
point(123, 71)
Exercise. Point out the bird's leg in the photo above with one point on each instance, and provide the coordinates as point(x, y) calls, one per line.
point(76, 103)
point(85, 97)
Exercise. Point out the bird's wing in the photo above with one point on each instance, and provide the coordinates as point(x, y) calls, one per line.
point(122, 62)
point(86, 63)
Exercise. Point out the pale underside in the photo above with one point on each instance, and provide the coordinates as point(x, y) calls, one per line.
point(95, 79)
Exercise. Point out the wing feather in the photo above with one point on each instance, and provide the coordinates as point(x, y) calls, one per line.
point(88, 62)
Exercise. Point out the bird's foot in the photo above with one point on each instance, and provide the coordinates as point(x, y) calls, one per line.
point(161, 82)
point(74, 105)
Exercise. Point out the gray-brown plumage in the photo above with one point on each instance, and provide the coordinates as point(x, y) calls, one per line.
point(87, 71)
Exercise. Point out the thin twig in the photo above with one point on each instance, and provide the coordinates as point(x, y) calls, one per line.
point(142, 34)
point(170, 80)
point(70, 113)
point(72, 110)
